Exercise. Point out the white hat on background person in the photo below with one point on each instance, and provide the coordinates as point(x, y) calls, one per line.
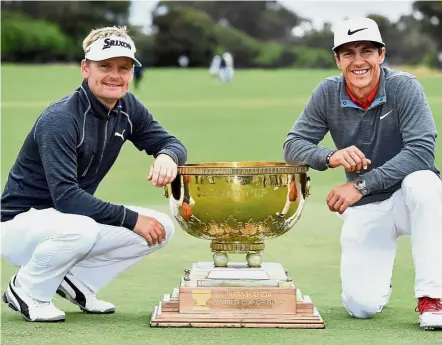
point(356, 29)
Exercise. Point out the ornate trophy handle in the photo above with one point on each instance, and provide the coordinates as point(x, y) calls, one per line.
point(180, 195)
point(308, 187)
point(293, 191)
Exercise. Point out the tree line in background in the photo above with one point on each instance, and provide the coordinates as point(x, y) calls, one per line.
point(258, 33)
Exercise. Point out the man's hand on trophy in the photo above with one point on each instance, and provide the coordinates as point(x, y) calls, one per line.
point(351, 158)
point(150, 229)
point(342, 197)
point(162, 171)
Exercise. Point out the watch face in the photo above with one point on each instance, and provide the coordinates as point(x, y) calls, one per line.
point(360, 184)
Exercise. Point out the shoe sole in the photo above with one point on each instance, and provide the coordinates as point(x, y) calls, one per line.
point(14, 308)
point(430, 328)
point(83, 309)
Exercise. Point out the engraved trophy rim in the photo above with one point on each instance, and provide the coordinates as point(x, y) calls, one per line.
point(241, 168)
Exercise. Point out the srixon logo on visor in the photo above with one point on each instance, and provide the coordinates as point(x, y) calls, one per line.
point(110, 43)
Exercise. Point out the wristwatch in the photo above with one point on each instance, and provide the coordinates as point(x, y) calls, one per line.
point(360, 185)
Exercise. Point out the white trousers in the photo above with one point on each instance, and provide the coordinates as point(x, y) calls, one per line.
point(225, 74)
point(46, 244)
point(368, 242)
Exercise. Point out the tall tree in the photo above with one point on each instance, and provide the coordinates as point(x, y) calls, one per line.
point(432, 18)
point(183, 31)
point(263, 20)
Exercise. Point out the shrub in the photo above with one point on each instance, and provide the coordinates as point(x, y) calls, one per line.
point(31, 40)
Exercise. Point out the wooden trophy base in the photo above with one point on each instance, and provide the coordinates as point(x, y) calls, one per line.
point(236, 296)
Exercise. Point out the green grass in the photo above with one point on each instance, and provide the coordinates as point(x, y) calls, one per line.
point(245, 121)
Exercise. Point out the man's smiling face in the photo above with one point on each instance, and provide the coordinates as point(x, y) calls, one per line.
point(360, 63)
point(109, 79)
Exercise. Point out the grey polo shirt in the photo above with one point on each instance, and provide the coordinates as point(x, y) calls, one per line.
point(397, 133)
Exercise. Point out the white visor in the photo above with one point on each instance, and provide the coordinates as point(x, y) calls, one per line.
point(110, 47)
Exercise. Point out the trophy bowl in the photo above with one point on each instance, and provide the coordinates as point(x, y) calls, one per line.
point(237, 205)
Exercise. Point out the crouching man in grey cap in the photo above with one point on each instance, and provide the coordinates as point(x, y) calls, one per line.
point(66, 240)
point(385, 137)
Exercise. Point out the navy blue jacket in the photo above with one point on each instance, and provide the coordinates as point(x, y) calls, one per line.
point(69, 151)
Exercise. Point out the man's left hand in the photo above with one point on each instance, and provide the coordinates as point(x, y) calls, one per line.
point(162, 171)
point(342, 197)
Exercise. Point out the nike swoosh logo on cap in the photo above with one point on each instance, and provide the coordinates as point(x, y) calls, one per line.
point(349, 32)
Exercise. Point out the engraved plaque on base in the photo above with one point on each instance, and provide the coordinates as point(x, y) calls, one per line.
point(236, 297)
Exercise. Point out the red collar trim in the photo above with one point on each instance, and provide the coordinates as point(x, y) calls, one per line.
point(364, 104)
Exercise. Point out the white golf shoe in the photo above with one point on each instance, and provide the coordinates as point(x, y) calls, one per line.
point(30, 308)
point(430, 310)
point(81, 295)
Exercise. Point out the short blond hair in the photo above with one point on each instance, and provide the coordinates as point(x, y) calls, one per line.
point(96, 34)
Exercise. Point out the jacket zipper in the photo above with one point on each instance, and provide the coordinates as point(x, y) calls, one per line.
point(89, 165)
point(105, 140)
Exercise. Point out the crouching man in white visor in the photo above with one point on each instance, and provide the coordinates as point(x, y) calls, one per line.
point(385, 136)
point(66, 240)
